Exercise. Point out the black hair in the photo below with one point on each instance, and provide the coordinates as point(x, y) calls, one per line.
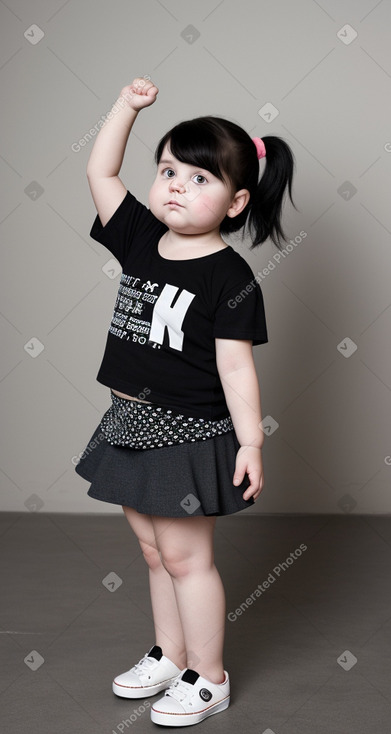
point(228, 152)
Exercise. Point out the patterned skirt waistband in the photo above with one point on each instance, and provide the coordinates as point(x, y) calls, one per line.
point(146, 425)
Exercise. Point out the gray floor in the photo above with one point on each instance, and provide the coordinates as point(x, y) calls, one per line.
point(309, 655)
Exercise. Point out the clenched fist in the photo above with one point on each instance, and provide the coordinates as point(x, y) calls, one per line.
point(140, 93)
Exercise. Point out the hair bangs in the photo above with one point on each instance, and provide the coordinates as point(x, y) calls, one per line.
point(198, 143)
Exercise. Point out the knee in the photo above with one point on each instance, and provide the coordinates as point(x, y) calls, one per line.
point(179, 565)
point(176, 567)
point(151, 556)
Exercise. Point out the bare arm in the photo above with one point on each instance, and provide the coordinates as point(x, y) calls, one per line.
point(107, 155)
point(235, 364)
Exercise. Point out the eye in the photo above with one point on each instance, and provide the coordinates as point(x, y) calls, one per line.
point(199, 178)
point(168, 172)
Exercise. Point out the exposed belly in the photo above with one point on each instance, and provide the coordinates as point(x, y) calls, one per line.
point(128, 397)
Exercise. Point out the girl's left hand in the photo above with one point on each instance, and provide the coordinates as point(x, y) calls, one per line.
point(249, 461)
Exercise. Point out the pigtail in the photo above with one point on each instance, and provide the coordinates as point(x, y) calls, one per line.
point(267, 200)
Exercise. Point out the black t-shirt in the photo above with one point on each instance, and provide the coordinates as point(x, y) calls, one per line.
point(168, 313)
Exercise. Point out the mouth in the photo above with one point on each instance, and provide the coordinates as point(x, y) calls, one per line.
point(173, 203)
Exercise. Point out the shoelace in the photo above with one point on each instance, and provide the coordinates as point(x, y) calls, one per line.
point(179, 690)
point(144, 665)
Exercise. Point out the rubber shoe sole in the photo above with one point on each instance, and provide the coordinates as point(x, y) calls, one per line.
point(188, 719)
point(141, 691)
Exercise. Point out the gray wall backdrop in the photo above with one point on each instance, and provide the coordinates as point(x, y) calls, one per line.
point(316, 73)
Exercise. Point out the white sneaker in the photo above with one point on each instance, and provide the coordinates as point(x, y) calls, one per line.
point(151, 675)
point(190, 699)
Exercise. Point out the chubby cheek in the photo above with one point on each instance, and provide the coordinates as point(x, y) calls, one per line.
point(153, 198)
point(207, 210)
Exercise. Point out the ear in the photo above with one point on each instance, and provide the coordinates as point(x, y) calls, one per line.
point(238, 203)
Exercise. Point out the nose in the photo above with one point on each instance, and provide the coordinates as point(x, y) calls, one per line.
point(176, 185)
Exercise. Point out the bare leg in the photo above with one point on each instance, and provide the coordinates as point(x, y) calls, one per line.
point(167, 623)
point(186, 546)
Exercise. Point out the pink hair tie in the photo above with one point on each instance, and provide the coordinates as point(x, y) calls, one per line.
point(260, 146)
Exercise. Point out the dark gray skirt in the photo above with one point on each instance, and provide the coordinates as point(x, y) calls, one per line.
point(183, 480)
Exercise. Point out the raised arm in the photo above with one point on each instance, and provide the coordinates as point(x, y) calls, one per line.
point(107, 155)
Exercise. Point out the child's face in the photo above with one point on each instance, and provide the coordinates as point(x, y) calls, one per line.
point(188, 199)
